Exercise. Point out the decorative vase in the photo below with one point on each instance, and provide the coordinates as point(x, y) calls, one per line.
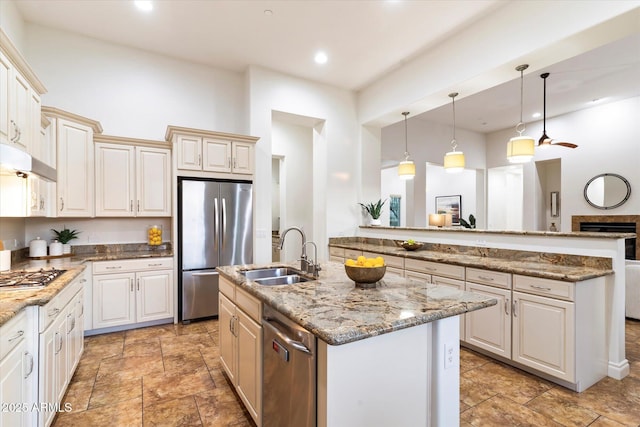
point(376, 221)
point(66, 248)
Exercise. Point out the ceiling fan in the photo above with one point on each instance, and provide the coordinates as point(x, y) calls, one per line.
point(544, 140)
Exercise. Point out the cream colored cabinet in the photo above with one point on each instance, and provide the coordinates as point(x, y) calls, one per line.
point(490, 328)
point(241, 344)
point(73, 137)
point(132, 180)
point(395, 264)
point(336, 254)
point(129, 292)
point(7, 131)
point(212, 152)
point(18, 370)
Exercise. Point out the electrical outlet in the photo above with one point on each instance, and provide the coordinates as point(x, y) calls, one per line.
point(449, 355)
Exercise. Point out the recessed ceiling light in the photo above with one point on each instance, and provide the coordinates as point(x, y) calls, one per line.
point(144, 5)
point(268, 12)
point(321, 58)
point(536, 115)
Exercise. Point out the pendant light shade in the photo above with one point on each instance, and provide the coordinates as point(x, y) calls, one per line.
point(406, 168)
point(520, 149)
point(544, 140)
point(454, 160)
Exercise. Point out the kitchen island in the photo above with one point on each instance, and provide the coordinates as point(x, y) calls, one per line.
point(386, 356)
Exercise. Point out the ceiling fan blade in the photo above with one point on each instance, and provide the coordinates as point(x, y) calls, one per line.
point(565, 144)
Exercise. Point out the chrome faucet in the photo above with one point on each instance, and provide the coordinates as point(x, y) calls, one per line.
point(313, 267)
point(304, 263)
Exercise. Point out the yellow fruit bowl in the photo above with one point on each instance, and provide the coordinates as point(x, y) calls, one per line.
point(365, 277)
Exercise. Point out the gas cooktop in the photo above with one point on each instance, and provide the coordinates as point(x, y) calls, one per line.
point(28, 279)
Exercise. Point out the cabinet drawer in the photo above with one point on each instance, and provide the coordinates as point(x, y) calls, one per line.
point(50, 311)
point(249, 305)
point(337, 252)
point(544, 287)
point(445, 281)
point(12, 333)
point(132, 265)
point(435, 268)
point(488, 277)
point(227, 288)
point(352, 253)
point(389, 260)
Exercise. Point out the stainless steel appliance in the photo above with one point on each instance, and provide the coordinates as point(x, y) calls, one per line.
point(289, 373)
point(215, 227)
point(22, 279)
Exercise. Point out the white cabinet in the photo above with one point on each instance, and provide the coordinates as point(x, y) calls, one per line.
point(128, 292)
point(61, 345)
point(214, 152)
point(132, 180)
point(73, 137)
point(18, 370)
point(241, 344)
point(490, 328)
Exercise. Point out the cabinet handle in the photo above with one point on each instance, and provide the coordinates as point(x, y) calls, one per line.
point(541, 288)
point(138, 205)
point(61, 204)
point(490, 279)
point(58, 347)
point(131, 284)
point(131, 205)
point(506, 306)
point(231, 326)
point(115, 267)
point(235, 164)
point(429, 268)
point(17, 335)
point(157, 264)
point(228, 162)
point(26, 353)
point(54, 312)
point(199, 159)
point(514, 308)
point(138, 284)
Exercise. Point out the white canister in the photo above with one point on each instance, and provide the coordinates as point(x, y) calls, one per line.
point(37, 247)
point(5, 260)
point(55, 248)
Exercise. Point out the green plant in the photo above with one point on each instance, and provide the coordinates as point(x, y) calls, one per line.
point(374, 209)
point(65, 235)
point(470, 224)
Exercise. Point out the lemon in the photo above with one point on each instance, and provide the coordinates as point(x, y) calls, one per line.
point(350, 263)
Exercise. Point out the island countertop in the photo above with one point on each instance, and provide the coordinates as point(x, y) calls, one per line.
point(336, 311)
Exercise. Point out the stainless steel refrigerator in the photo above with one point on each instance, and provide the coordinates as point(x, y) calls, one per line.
point(215, 227)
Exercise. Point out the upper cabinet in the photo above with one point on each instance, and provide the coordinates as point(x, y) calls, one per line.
point(75, 162)
point(133, 177)
point(20, 91)
point(217, 153)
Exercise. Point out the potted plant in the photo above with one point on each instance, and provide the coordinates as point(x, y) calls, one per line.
point(374, 210)
point(64, 236)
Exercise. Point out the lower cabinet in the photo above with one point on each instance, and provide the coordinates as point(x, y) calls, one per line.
point(127, 292)
point(241, 344)
point(18, 370)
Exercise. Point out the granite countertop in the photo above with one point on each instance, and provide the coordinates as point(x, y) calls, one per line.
point(550, 269)
point(11, 302)
point(337, 312)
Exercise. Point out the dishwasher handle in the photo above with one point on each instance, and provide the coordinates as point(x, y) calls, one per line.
point(297, 345)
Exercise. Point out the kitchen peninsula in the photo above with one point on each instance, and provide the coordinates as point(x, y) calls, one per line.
point(386, 356)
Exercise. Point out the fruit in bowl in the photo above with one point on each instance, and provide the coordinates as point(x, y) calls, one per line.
point(365, 271)
point(409, 244)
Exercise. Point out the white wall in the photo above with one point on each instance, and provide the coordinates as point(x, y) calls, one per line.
point(132, 92)
point(441, 183)
point(390, 185)
point(607, 142)
point(12, 24)
point(294, 144)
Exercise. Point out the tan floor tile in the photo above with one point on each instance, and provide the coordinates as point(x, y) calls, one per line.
point(87, 369)
point(500, 411)
point(562, 410)
point(159, 331)
point(211, 325)
point(123, 414)
point(219, 378)
point(78, 394)
point(606, 422)
point(177, 412)
point(185, 344)
point(471, 360)
point(184, 363)
point(158, 388)
point(471, 394)
point(104, 350)
point(211, 357)
point(108, 392)
point(132, 367)
point(191, 328)
point(143, 347)
point(109, 338)
point(216, 409)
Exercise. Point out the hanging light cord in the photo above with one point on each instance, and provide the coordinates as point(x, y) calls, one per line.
point(406, 144)
point(520, 126)
point(454, 143)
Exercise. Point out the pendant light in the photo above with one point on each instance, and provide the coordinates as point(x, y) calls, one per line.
point(454, 160)
point(544, 140)
point(520, 149)
point(406, 168)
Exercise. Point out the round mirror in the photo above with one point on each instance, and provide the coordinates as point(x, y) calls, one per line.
point(607, 191)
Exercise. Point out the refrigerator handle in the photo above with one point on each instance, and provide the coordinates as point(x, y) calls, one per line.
point(224, 220)
point(216, 226)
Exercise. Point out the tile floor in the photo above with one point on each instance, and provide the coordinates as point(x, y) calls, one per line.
point(170, 375)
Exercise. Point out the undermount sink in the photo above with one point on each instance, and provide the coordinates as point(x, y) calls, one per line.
point(281, 280)
point(262, 273)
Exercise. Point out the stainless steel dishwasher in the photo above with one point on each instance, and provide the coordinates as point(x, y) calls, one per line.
point(289, 373)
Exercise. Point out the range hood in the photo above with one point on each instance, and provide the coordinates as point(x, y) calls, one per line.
point(23, 164)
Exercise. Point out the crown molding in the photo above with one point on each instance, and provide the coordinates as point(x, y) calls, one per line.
point(131, 141)
point(177, 130)
point(9, 49)
point(52, 112)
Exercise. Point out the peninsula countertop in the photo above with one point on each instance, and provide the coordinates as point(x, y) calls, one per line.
point(338, 312)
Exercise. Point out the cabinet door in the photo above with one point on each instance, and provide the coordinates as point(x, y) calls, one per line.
point(154, 295)
point(6, 128)
point(242, 158)
point(249, 379)
point(15, 366)
point(35, 119)
point(490, 328)
point(115, 180)
point(75, 170)
point(153, 188)
point(36, 191)
point(417, 277)
point(216, 155)
point(49, 342)
point(75, 331)
point(544, 334)
point(113, 300)
point(456, 284)
point(19, 99)
point(228, 342)
point(189, 152)
point(62, 376)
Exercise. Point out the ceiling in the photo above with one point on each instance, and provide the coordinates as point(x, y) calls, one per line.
point(364, 41)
